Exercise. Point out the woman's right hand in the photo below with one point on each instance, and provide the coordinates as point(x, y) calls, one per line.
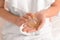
point(23, 19)
point(20, 21)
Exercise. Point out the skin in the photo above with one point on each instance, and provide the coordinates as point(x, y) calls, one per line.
point(46, 13)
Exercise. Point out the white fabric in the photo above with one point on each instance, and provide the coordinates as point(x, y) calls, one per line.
point(11, 31)
point(20, 7)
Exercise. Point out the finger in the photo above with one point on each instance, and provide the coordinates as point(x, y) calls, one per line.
point(21, 22)
point(27, 16)
point(28, 29)
point(41, 20)
point(25, 29)
point(31, 30)
point(41, 24)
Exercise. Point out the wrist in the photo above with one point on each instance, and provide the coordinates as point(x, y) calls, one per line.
point(17, 19)
point(45, 13)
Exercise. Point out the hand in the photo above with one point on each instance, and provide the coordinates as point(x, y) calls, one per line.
point(20, 21)
point(40, 17)
point(23, 19)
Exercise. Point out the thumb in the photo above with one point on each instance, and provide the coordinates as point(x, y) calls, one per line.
point(41, 24)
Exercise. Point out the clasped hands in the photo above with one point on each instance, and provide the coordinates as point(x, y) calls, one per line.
point(31, 26)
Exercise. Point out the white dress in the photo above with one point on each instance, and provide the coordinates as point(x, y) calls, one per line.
point(11, 31)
